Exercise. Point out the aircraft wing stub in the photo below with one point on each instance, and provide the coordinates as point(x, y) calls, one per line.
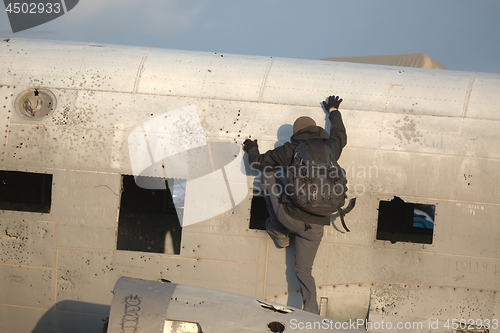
point(139, 306)
point(151, 306)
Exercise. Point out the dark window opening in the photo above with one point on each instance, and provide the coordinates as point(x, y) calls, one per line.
point(148, 220)
point(400, 221)
point(25, 191)
point(258, 213)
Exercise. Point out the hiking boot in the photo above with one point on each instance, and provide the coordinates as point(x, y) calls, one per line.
point(280, 240)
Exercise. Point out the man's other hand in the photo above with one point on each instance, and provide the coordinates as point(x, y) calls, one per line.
point(249, 144)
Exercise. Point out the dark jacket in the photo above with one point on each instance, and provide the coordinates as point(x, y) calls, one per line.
point(282, 156)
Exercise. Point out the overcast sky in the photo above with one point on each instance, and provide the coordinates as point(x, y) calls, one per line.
point(460, 34)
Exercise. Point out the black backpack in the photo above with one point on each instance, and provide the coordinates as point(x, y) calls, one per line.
point(316, 182)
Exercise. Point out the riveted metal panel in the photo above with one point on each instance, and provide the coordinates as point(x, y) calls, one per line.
point(77, 270)
point(62, 148)
point(432, 306)
point(479, 272)
point(89, 199)
point(367, 88)
point(402, 174)
point(340, 265)
point(474, 181)
point(60, 321)
point(85, 237)
point(360, 220)
point(483, 102)
point(280, 271)
point(27, 243)
point(268, 123)
point(496, 305)
point(205, 75)
point(232, 222)
point(480, 139)
point(20, 318)
point(28, 286)
point(176, 73)
point(421, 92)
point(6, 112)
point(78, 66)
point(245, 247)
point(424, 134)
point(344, 302)
point(86, 210)
point(473, 233)
point(307, 83)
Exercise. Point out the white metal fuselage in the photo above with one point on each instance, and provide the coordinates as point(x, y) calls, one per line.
point(426, 136)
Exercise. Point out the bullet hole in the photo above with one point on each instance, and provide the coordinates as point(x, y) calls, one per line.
point(276, 327)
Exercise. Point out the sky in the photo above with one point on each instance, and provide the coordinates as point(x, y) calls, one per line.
point(462, 35)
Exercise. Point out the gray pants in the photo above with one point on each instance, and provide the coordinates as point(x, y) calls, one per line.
point(306, 241)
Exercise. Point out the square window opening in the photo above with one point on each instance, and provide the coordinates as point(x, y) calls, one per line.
point(400, 221)
point(148, 220)
point(25, 191)
point(258, 213)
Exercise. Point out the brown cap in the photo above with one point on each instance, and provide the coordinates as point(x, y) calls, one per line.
point(303, 122)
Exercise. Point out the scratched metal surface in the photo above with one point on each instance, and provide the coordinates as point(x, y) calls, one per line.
point(412, 133)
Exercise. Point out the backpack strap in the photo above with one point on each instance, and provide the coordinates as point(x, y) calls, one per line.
point(343, 212)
